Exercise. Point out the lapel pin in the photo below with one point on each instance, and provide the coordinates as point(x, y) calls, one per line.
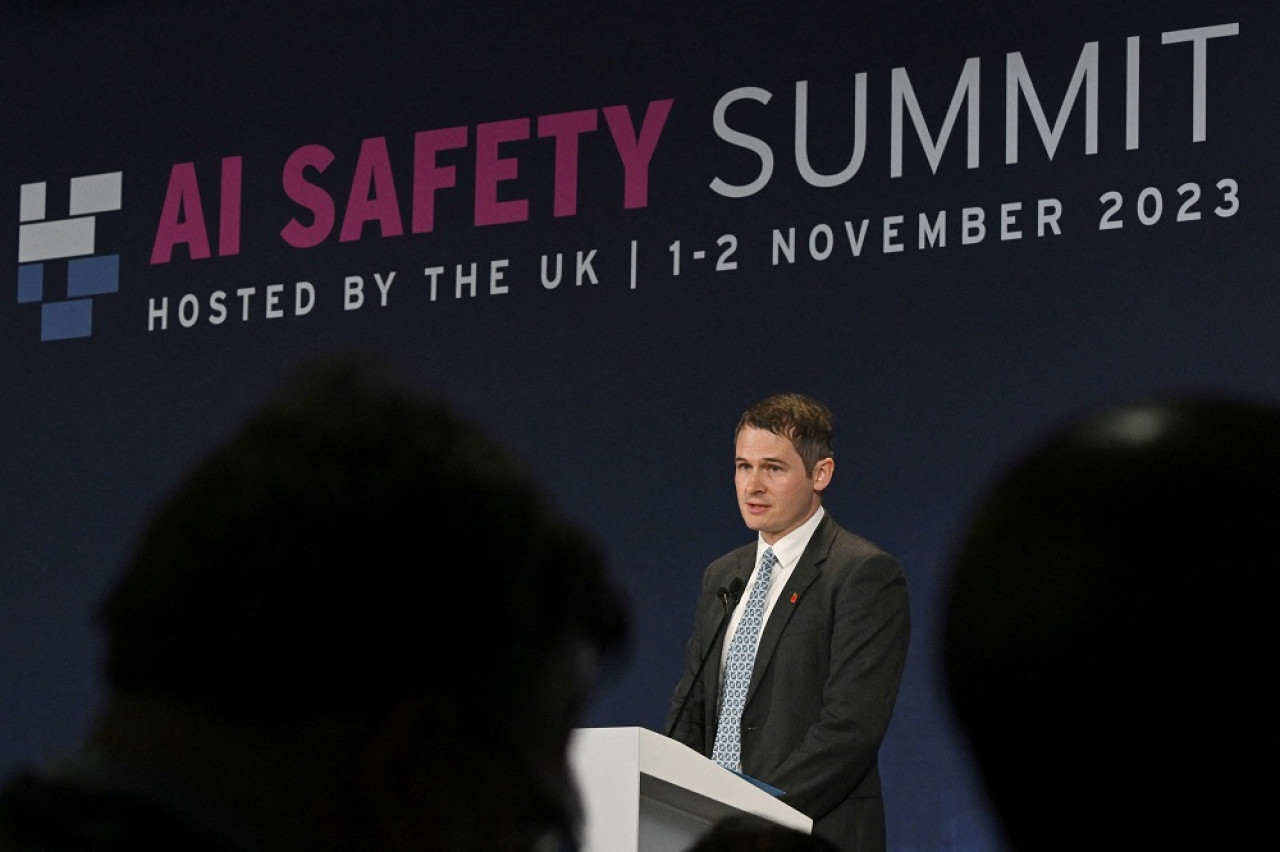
point(795, 596)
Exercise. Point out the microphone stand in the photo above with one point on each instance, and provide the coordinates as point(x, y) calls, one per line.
point(729, 597)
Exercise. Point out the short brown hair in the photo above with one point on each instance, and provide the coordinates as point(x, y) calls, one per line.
point(804, 421)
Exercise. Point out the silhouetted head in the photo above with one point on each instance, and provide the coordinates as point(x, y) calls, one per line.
point(1110, 636)
point(360, 557)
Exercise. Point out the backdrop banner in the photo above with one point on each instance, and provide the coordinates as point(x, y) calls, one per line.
point(602, 233)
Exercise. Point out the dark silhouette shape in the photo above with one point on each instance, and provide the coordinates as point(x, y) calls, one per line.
point(356, 625)
point(1110, 635)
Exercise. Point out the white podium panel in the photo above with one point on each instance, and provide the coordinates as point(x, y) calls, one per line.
point(643, 792)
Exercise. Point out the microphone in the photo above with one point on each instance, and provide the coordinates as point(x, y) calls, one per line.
point(729, 596)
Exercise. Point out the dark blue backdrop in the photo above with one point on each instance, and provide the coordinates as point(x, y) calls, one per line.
point(942, 354)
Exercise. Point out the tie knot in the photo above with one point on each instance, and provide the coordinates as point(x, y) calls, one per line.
point(768, 559)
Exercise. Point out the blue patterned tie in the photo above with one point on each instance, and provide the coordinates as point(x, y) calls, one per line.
point(737, 668)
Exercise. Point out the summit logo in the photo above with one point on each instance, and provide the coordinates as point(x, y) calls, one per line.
point(44, 243)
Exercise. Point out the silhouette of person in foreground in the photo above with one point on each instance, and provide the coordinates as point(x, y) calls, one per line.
point(355, 625)
point(1110, 637)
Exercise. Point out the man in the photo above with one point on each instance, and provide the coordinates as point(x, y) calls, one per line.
point(1110, 641)
point(815, 688)
point(356, 625)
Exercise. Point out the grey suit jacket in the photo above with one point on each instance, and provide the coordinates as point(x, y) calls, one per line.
point(824, 684)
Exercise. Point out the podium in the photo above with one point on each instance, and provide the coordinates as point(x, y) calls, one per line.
point(643, 792)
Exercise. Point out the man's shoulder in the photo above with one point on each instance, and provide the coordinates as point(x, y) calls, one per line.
point(746, 553)
point(837, 542)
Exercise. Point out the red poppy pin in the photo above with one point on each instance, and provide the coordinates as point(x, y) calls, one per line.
point(795, 596)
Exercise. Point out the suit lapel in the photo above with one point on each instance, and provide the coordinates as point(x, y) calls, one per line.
point(806, 571)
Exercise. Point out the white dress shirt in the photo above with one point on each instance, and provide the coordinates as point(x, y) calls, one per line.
point(788, 550)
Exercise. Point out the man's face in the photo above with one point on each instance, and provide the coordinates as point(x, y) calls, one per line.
point(775, 494)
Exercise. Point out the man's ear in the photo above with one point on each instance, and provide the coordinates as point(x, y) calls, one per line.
point(822, 472)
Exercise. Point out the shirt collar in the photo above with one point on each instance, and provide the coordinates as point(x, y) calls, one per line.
point(789, 548)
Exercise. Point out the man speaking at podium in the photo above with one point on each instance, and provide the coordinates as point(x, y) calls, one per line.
point(800, 637)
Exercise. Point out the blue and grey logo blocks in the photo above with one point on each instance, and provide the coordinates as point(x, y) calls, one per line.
point(41, 239)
